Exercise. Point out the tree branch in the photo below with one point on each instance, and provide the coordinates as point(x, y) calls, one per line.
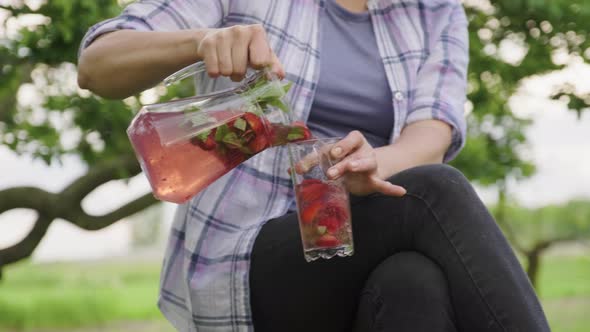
point(27, 198)
point(97, 175)
point(83, 220)
point(549, 242)
point(26, 246)
point(66, 205)
point(511, 236)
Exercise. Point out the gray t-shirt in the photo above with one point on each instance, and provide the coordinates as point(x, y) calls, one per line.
point(352, 91)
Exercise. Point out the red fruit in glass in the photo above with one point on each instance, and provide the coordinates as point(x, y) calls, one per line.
point(324, 217)
point(310, 210)
point(327, 240)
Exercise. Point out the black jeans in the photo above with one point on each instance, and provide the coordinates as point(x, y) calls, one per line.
point(433, 260)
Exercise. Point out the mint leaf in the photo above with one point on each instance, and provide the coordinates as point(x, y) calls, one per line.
point(287, 87)
point(261, 106)
point(221, 132)
point(265, 89)
point(232, 141)
point(279, 104)
point(295, 133)
point(248, 135)
point(264, 93)
point(204, 135)
point(271, 91)
point(240, 124)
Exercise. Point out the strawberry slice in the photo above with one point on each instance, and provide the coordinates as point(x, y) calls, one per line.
point(327, 240)
point(335, 210)
point(258, 143)
point(266, 123)
point(310, 212)
point(311, 191)
point(310, 181)
point(306, 131)
point(207, 144)
point(255, 123)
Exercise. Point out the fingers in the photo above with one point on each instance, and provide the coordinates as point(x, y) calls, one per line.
point(362, 165)
point(224, 54)
point(277, 67)
point(352, 164)
point(260, 52)
point(229, 51)
point(208, 51)
point(239, 53)
point(306, 163)
point(348, 144)
point(387, 188)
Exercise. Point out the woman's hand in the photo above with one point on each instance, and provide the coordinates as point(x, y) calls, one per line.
point(229, 51)
point(359, 167)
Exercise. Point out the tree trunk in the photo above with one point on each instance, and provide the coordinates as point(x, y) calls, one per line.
point(532, 268)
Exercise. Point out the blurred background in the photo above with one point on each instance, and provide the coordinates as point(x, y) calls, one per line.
point(81, 238)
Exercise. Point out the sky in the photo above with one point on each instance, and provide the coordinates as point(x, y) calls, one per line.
point(559, 142)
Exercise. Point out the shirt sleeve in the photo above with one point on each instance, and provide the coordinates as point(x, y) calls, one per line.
point(161, 15)
point(442, 80)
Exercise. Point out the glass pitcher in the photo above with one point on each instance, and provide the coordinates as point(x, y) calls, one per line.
point(184, 145)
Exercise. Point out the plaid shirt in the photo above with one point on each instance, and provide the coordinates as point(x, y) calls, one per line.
point(423, 44)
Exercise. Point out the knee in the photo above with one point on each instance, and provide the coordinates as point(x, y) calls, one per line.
point(408, 275)
point(435, 178)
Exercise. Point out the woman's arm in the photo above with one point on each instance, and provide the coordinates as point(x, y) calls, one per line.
point(122, 63)
point(366, 169)
point(422, 142)
point(125, 62)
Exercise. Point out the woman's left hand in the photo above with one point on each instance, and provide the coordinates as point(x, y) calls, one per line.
point(359, 167)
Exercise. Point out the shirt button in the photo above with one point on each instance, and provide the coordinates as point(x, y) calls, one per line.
point(398, 96)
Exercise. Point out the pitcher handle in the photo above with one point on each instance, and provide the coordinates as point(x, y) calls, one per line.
point(190, 70)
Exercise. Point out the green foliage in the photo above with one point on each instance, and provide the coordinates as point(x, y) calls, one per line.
point(62, 120)
point(575, 101)
point(540, 28)
point(530, 228)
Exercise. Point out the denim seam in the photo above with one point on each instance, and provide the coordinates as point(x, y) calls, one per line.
point(431, 210)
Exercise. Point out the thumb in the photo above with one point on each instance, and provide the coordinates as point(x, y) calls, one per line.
point(277, 67)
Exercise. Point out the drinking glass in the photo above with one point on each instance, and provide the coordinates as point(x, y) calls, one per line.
point(323, 205)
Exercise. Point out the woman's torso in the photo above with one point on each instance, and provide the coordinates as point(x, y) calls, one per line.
point(352, 90)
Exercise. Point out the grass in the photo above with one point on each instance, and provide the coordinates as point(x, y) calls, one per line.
point(70, 295)
point(564, 286)
point(565, 277)
point(87, 297)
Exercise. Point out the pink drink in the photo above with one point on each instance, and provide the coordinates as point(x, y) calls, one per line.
point(323, 205)
point(324, 217)
point(178, 170)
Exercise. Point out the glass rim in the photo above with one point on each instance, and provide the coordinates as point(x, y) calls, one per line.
point(314, 140)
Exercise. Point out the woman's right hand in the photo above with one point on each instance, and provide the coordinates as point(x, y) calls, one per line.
point(229, 51)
